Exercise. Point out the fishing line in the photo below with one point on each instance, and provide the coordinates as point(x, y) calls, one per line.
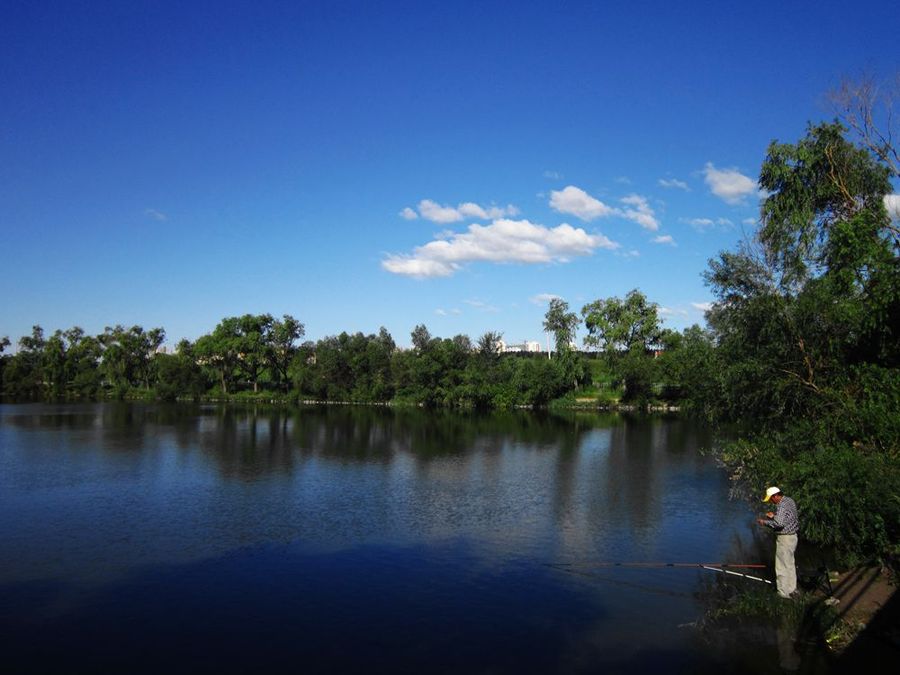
point(659, 564)
point(725, 568)
point(624, 584)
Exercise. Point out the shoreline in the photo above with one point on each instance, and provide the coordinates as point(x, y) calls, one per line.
point(282, 401)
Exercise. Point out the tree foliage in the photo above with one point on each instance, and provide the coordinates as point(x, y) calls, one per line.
point(127, 355)
point(616, 325)
point(626, 330)
point(562, 323)
point(806, 327)
point(867, 106)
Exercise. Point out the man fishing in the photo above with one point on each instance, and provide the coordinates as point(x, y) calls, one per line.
point(785, 521)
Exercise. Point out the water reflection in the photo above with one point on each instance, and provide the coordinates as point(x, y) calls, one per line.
point(96, 498)
point(570, 485)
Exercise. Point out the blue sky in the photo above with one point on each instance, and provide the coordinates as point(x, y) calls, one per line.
point(367, 164)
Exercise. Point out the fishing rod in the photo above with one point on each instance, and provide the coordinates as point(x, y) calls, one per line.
point(659, 564)
point(726, 568)
point(737, 574)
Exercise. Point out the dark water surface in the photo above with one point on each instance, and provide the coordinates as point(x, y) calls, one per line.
point(151, 538)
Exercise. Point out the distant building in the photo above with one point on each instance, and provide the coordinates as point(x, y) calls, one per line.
point(529, 346)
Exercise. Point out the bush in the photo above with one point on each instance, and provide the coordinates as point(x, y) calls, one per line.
point(849, 501)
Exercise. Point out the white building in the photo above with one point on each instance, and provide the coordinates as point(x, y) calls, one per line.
point(529, 346)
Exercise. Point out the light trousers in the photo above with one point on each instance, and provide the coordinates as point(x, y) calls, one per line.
point(785, 569)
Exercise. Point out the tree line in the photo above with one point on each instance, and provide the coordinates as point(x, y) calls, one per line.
point(260, 355)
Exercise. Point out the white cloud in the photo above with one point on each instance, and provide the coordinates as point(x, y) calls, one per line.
point(438, 213)
point(668, 311)
point(408, 214)
point(674, 183)
point(623, 180)
point(892, 204)
point(703, 224)
point(481, 306)
point(640, 212)
point(577, 202)
point(503, 241)
point(729, 185)
point(664, 239)
point(441, 312)
point(749, 221)
point(156, 215)
point(419, 268)
point(471, 210)
point(543, 298)
point(702, 306)
point(700, 223)
point(553, 175)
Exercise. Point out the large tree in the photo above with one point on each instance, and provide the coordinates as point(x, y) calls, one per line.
point(127, 355)
point(626, 329)
point(254, 345)
point(421, 338)
point(807, 323)
point(562, 323)
point(4, 343)
point(616, 325)
point(24, 373)
point(220, 350)
point(283, 335)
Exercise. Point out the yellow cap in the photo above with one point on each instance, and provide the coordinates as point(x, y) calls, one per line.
point(771, 492)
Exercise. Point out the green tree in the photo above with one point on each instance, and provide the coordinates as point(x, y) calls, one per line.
point(806, 322)
point(689, 368)
point(622, 325)
point(379, 354)
point(127, 356)
point(626, 330)
point(4, 343)
point(283, 335)
point(302, 369)
point(254, 345)
point(53, 361)
point(562, 323)
point(488, 347)
point(83, 358)
point(421, 338)
point(24, 372)
point(180, 374)
point(538, 381)
point(219, 351)
point(348, 368)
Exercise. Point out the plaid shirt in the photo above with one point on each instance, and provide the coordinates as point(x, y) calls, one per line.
point(786, 520)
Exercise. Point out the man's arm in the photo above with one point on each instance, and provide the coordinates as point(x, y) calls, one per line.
point(777, 518)
point(771, 520)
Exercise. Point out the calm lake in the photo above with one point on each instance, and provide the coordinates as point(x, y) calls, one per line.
point(153, 538)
